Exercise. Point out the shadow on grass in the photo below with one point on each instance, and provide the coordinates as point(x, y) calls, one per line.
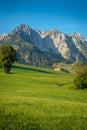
point(34, 69)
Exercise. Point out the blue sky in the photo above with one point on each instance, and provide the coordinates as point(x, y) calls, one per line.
point(65, 15)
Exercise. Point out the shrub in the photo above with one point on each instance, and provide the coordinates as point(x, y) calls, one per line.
point(81, 81)
point(80, 71)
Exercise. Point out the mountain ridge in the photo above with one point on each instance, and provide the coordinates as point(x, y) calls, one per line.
point(67, 48)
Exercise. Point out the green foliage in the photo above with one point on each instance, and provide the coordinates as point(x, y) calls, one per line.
point(81, 82)
point(80, 70)
point(7, 57)
point(33, 98)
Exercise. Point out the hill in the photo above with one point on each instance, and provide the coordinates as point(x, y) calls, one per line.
point(44, 48)
point(64, 67)
point(40, 99)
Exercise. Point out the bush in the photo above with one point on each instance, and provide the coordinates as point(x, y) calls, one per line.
point(81, 82)
point(80, 71)
point(79, 68)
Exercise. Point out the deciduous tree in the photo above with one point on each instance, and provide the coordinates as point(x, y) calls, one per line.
point(80, 70)
point(7, 57)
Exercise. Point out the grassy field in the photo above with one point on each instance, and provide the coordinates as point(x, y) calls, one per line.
point(40, 99)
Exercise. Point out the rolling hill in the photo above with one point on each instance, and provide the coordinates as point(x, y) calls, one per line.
point(33, 98)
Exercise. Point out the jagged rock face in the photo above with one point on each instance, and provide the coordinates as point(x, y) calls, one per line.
point(71, 47)
point(43, 41)
point(2, 36)
point(80, 43)
point(23, 30)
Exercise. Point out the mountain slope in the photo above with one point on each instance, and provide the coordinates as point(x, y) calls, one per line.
point(37, 48)
point(27, 52)
point(2, 36)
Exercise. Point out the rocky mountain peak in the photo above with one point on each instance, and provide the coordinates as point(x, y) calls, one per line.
point(77, 36)
point(2, 36)
point(23, 28)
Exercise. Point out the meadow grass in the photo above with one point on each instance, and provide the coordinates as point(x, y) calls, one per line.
point(33, 98)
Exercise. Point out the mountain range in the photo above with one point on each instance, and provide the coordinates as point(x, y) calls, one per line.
point(44, 48)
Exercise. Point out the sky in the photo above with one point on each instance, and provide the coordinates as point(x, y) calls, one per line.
point(67, 16)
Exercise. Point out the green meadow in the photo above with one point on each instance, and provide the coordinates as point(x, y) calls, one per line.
point(33, 98)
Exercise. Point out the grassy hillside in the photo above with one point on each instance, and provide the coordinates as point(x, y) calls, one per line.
point(63, 67)
point(40, 99)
